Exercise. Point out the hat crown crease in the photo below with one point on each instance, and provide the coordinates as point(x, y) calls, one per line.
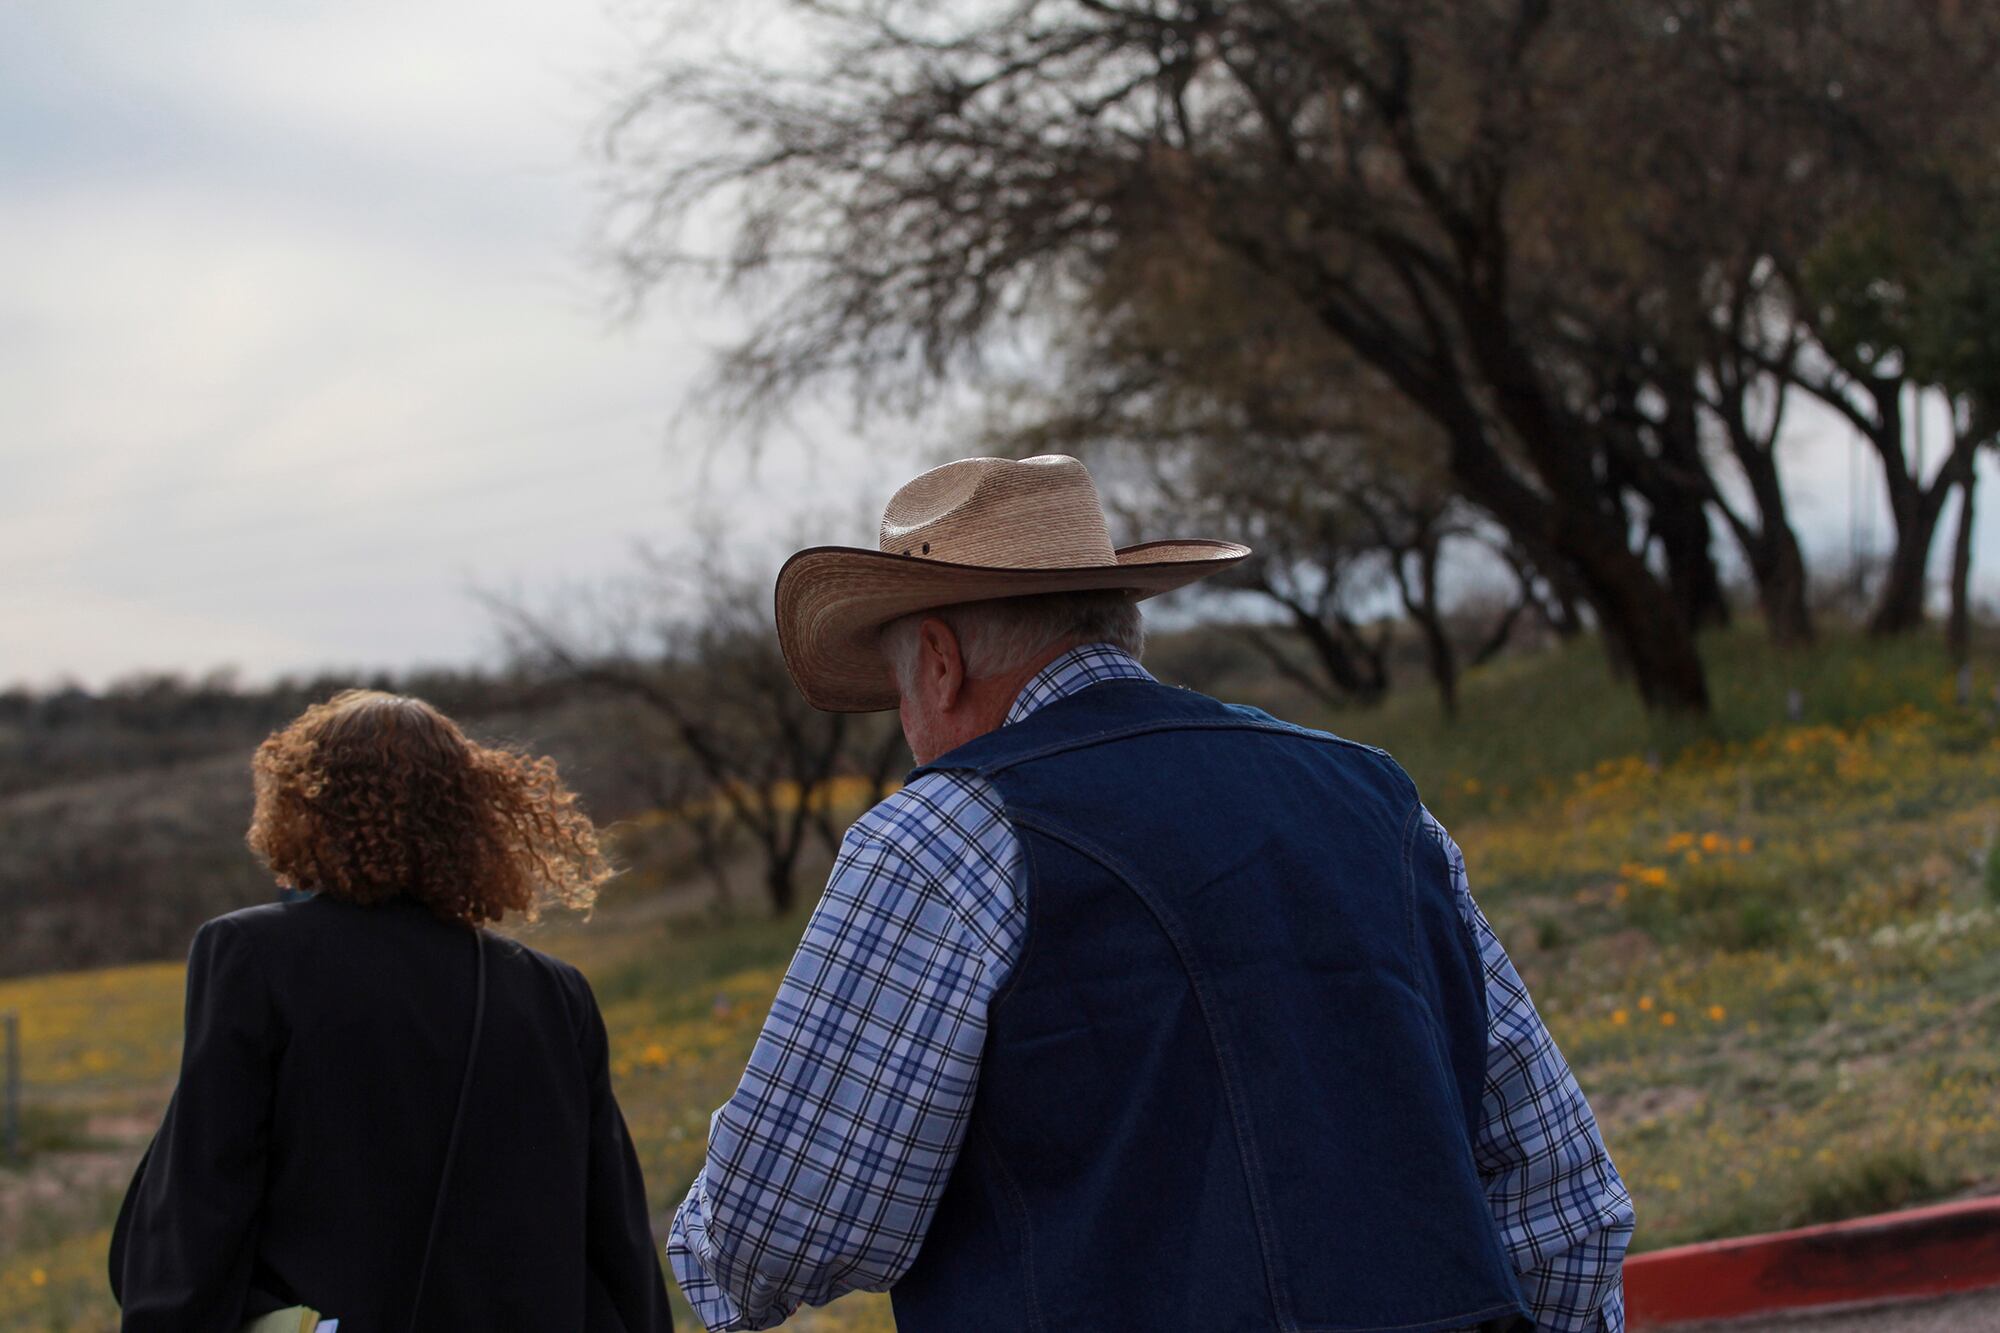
point(1038, 513)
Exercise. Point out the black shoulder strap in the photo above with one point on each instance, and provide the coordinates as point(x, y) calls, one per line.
point(457, 1118)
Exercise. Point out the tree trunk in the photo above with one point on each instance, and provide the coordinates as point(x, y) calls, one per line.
point(1563, 513)
point(1421, 603)
point(1900, 606)
point(1691, 570)
point(1352, 666)
point(1281, 662)
point(780, 885)
point(1444, 665)
point(1778, 569)
point(1915, 507)
point(1639, 617)
point(1561, 610)
point(1782, 590)
point(709, 852)
point(1645, 627)
point(1680, 521)
point(1771, 549)
point(1677, 488)
point(1958, 631)
point(1641, 624)
point(1503, 630)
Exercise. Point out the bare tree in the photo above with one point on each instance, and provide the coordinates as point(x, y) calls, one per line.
point(680, 795)
point(1245, 421)
point(693, 643)
point(1447, 192)
point(933, 174)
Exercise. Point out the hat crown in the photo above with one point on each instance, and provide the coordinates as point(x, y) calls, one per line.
point(1003, 513)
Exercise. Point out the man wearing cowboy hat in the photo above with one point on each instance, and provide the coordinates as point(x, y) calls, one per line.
point(1132, 1010)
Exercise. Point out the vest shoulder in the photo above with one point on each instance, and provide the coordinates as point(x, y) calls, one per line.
point(1253, 715)
point(1116, 709)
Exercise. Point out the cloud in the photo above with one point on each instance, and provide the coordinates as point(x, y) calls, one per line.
point(296, 343)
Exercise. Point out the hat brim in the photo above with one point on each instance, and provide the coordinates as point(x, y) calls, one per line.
point(832, 602)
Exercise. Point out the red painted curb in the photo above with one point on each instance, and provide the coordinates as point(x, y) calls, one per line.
point(1933, 1251)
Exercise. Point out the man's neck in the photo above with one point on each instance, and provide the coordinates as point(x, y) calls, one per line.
point(993, 698)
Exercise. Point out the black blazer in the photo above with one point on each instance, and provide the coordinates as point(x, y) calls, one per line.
point(299, 1159)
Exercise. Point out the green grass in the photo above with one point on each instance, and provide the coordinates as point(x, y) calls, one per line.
point(45, 1129)
point(1771, 950)
point(1528, 723)
point(1876, 1182)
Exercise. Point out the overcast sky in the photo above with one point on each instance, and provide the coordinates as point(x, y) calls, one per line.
point(299, 342)
point(299, 338)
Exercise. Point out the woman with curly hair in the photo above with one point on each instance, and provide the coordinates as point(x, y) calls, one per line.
point(385, 1113)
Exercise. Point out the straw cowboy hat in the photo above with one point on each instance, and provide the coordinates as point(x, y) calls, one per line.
point(970, 531)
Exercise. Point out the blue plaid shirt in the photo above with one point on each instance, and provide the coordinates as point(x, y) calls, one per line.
point(825, 1168)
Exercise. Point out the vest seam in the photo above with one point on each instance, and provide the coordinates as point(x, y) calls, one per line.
point(975, 1125)
point(1434, 1027)
point(1035, 1321)
point(1411, 823)
point(1028, 895)
point(1433, 1019)
point(1246, 1144)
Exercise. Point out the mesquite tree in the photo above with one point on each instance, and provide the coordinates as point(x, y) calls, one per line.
point(1449, 192)
point(691, 642)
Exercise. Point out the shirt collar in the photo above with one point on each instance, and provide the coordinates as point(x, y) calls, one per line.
point(1076, 670)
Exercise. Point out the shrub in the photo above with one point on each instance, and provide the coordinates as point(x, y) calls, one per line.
point(1877, 1182)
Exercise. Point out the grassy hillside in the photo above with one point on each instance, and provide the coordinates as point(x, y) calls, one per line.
point(117, 841)
point(1771, 949)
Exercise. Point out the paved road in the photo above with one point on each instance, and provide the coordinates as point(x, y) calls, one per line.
point(1976, 1313)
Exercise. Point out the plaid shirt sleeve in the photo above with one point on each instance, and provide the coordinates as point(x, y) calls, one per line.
point(825, 1167)
point(1564, 1214)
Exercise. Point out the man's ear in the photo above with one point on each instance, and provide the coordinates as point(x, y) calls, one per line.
point(941, 668)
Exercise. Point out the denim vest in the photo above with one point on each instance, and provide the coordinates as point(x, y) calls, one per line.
point(1234, 1081)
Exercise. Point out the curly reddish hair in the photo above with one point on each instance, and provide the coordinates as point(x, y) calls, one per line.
point(372, 796)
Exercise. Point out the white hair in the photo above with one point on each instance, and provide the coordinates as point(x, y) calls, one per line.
point(1002, 636)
